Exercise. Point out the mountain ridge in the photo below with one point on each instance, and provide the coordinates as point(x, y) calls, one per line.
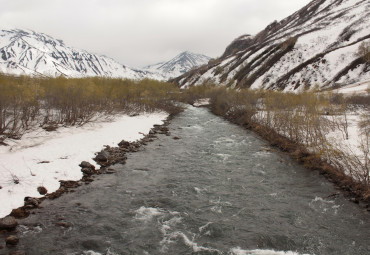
point(315, 45)
point(178, 65)
point(31, 53)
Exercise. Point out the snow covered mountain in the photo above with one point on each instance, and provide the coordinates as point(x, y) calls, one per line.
point(316, 45)
point(177, 66)
point(31, 53)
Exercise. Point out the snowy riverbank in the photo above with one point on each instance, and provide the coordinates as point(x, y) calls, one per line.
point(43, 158)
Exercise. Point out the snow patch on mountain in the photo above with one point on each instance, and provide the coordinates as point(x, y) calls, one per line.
point(177, 66)
point(26, 52)
point(316, 45)
point(30, 53)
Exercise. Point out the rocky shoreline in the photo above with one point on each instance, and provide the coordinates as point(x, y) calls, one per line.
point(106, 158)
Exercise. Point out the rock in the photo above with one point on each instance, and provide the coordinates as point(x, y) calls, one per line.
point(69, 184)
point(110, 171)
point(31, 202)
point(8, 223)
point(17, 253)
point(62, 224)
point(50, 128)
point(124, 143)
point(11, 240)
point(102, 156)
point(44, 162)
point(87, 180)
point(57, 193)
point(176, 138)
point(42, 190)
point(85, 164)
point(88, 171)
point(20, 213)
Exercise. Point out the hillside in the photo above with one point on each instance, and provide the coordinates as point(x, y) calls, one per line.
point(316, 45)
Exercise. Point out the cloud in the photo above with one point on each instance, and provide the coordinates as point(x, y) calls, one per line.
point(140, 32)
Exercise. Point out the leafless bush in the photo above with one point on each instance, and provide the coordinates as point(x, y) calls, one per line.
point(49, 102)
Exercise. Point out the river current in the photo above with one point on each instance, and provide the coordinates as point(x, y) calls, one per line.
point(218, 190)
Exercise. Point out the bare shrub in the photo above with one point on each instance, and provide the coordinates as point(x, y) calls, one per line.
point(364, 51)
point(49, 102)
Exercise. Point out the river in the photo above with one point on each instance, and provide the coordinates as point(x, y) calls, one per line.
point(220, 189)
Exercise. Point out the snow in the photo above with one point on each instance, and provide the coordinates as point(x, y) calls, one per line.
point(147, 213)
point(64, 149)
point(51, 58)
point(202, 102)
point(177, 66)
point(330, 31)
point(355, 88)
point(352, 151)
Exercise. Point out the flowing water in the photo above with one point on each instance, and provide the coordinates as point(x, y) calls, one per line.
point(217, 190)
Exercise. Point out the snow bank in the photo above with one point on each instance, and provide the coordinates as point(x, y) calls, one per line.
point(355, 88)
point(43, 158)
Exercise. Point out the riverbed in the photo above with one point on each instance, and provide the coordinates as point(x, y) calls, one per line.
point(219, 189)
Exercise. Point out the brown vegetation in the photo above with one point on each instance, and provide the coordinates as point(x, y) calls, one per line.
point(364, 51)
point(48, 102)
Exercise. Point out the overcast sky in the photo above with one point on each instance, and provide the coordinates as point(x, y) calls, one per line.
point(142, 32)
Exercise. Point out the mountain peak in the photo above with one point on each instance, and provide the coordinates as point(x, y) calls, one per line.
point(179, 65)
point(31, 53)
point(24, 51)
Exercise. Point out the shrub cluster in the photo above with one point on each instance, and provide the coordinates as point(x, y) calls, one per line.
point(26, 101)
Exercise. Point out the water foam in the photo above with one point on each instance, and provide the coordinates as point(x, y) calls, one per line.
point(147, 213)
point(323, 205)
point(90, 252)
point(29, 230)
point(201, 229)
point(174, 236)
point(239, 251)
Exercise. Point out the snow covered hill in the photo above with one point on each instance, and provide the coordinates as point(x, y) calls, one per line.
point(31, 53)
point(316, 45)
point(177, 66)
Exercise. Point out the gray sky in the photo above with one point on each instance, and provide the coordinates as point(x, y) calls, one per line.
point(142, 32)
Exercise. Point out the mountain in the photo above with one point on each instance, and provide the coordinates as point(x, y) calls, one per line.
point(316, 45)
point(31, 53)
point(177, 66)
